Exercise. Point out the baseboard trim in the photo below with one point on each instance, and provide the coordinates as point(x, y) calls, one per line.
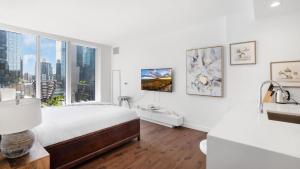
point(196, 127)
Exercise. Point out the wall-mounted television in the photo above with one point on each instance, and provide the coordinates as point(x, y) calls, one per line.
point(157, 79)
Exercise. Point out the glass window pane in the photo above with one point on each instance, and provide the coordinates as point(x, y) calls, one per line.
point(53, 71)
point(17, 62)
point(83, 74)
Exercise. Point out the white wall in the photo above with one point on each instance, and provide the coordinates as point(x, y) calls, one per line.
point(277, 39)
point(168, 50)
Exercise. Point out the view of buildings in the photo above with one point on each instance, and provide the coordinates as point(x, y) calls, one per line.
point(53, 77)
point(83, 75)
point(12, 72)
point(18, 65)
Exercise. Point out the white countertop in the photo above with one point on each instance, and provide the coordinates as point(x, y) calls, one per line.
point(244, 124)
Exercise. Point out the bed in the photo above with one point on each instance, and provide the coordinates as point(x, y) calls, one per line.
point(74, 134)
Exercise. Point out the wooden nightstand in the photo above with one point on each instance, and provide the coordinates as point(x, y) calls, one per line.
point(38, 158)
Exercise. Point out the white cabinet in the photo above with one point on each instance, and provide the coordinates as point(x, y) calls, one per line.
point(160, 116)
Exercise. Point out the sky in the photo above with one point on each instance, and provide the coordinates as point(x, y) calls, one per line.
point(28, 48)
point(48, 52)
point(155, 73)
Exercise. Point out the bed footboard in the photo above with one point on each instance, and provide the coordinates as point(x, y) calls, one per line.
point(72, 152)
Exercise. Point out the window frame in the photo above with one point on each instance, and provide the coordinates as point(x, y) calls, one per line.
point(38, 63)
point(11, 29)
point(71, 55)
point(69, 43)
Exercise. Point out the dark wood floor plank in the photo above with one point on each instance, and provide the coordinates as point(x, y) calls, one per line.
point(160, 148)
point(178, 153)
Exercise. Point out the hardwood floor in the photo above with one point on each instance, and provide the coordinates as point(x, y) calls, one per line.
point(160, 148)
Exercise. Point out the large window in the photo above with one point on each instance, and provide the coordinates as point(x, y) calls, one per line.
point(52, 71)
point(83, 74)
point(18, 62)
point(47, 67)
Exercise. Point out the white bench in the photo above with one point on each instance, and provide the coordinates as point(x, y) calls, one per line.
point(160, 116)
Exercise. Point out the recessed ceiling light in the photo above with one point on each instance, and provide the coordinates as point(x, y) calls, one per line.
point(275, 4)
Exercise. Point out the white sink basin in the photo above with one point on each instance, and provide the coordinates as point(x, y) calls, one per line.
point(16, 118)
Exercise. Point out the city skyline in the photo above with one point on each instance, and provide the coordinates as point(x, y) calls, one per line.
point(18, 64)
point(28, 51)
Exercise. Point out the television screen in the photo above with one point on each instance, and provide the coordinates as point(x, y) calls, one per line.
point(157, 79)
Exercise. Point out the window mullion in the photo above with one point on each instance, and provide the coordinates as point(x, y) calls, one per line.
point(38, 68)
point(98, 75)
point(68, 73)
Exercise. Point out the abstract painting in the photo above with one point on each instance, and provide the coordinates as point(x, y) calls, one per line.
point(243, 53)
point(204, 71)
point(286, 73)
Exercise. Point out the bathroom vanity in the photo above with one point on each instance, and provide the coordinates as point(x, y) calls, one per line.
point(247, 139)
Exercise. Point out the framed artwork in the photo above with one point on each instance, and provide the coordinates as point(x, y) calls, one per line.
point(243, 53)
point(286, 73)
point(204, 71)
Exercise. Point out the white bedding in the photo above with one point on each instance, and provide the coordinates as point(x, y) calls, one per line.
point(63, 123)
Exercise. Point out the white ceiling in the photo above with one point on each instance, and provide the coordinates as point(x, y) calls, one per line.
point(108, 21)
point(262, 8)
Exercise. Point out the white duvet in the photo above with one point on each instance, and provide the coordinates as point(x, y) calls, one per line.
point(63, 123)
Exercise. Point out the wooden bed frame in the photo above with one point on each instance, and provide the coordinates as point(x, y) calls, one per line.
point(72, 152)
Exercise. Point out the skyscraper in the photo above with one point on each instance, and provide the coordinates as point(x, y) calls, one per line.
point(46, 70)
point(14, 42)
point(12, 63)
point(86, 64)
point(3, 55)
point(60, 74)
point(60, 61)
point(48, 84)
point(10, 58)
point(3, 59)
point(58, 71)
point(63, 62)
